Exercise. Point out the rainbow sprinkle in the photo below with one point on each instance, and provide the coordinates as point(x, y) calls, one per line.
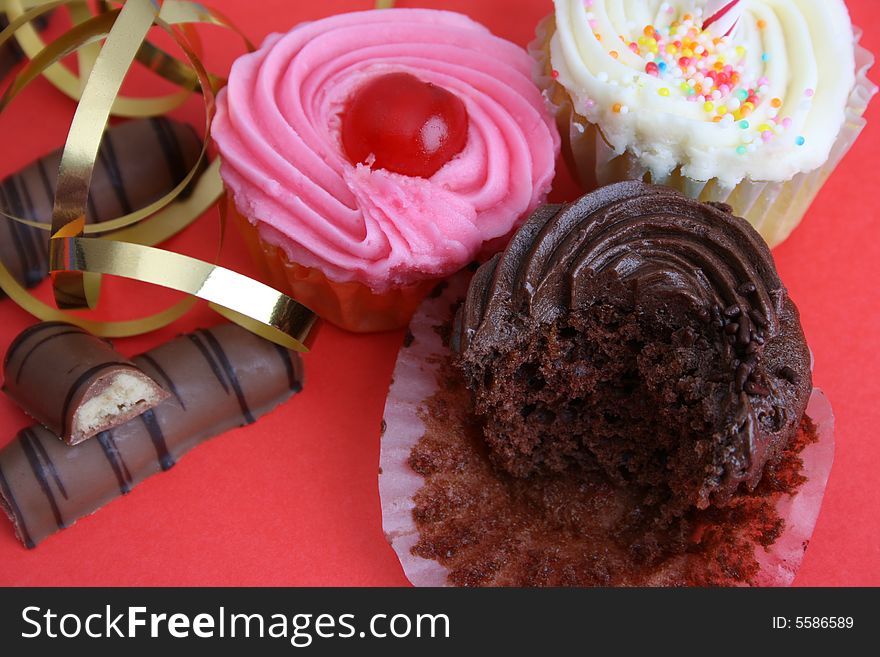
point(704, 69)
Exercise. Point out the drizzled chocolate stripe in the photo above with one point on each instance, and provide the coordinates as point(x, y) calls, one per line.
point(92, 208)
point(25, 249)
point(98, 470)
point(294, 384)
point(27, 437)
point(50, 465)
point(15, 230)
point(166, 461)
point(230, 374)
point(36, 239)
point(30, 332)
point(110, 163)
point(34, 348)
point(166, 380)
point(138, 163)
point(15, 512)
point(23, 204)
point(48, 186)
point(215, 368)
point(111, 451)
point(174, 156)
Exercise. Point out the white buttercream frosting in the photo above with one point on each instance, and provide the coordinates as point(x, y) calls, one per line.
point(796, 56)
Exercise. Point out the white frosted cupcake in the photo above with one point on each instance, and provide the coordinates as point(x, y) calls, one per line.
point(747, 102)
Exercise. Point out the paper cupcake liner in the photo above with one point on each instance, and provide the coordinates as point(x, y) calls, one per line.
point(773, 208)
point(417, 380)
point(351, 306)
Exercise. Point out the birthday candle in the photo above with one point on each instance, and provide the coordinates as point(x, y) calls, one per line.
point(722, 16)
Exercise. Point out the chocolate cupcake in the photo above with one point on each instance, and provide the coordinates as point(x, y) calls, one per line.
point(638, 333)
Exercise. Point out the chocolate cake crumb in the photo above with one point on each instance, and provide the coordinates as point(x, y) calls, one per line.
point(438, 289)
point(574, 528)
point(638, 333)
point(445, 330)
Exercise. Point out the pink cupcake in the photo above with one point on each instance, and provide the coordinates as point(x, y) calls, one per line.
point(370, 154)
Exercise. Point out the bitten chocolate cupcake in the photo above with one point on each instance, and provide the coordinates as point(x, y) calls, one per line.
point(642, 334)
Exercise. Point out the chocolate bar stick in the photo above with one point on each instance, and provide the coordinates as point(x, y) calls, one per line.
point(138, 163)
point(74, 383)
point(217, 379)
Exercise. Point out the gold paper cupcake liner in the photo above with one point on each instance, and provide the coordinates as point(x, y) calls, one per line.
point(774, 208)
point(351, 305)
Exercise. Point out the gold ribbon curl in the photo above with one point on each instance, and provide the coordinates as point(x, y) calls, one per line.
point(76, 262)
point(86, 30)
point(165, 219)
point(63, 78)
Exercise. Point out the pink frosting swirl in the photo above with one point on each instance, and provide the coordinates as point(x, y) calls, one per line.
point(278, 129)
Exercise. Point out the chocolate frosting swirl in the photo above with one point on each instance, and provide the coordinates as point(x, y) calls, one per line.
point(695, 260)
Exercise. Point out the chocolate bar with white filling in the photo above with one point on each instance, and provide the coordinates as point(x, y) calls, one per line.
point(218, 379)
point(74, 383)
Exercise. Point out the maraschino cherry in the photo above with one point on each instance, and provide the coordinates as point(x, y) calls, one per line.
point(411, 127)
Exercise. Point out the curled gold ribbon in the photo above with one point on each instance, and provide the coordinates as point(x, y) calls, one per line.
point(83, 35)
point(237, 293)
point(86, 27)
point(77, 288)
point(64, 79)
point(76, 262)
point(118, 329)
point(172, 12)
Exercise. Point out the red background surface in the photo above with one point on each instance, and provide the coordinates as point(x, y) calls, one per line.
point(293, 500)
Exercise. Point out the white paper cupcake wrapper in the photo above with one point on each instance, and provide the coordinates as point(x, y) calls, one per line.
point(773, 208)
point(415, 382)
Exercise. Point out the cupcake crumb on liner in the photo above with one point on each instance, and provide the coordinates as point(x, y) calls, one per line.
point(463, 524)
